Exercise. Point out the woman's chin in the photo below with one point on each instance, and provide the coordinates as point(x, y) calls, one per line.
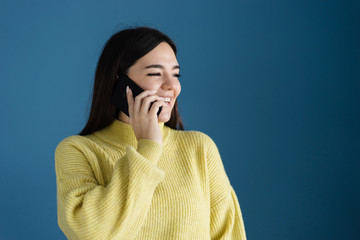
point(164, 117)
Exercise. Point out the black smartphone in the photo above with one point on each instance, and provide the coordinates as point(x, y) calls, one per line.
point(119, 93)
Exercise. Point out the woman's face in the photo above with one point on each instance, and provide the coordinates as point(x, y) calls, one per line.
point(158, 70)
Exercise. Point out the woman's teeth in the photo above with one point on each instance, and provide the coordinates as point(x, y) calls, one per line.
point(167, 100)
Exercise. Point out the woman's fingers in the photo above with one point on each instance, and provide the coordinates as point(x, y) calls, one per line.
point(147, 102)
point(139, 98)
point(135, 104)
point(141, 104)
point(155, 107)
point(130, 100)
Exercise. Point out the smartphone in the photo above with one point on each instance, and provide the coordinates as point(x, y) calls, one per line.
point(118, 97)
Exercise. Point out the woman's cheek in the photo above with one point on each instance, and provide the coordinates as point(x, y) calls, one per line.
point(178, 89)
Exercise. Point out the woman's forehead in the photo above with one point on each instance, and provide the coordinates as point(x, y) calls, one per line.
point(162, 54)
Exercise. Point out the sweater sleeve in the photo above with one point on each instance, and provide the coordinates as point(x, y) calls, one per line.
point(88, 210)
point(226, 220)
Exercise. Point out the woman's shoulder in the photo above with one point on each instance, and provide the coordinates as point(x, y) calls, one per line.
point(195, 137)
point(76, 141)
point(192, 134)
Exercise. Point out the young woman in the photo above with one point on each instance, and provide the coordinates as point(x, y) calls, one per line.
point(142, 176)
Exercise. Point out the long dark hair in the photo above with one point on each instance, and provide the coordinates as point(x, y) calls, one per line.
point(121, 51)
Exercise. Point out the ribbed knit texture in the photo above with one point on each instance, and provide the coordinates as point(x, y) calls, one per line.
point(111, 186)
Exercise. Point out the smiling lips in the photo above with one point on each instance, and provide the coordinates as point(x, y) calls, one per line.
point(167, 100)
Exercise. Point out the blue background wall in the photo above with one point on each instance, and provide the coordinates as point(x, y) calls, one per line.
point(274, 83)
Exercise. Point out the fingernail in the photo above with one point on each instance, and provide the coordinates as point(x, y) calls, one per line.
point(153, 91)
point(127, 89)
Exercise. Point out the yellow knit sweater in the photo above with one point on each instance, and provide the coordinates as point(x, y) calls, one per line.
point(111, 186)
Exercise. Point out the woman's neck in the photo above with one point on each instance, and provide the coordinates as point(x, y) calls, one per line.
point(123, 117)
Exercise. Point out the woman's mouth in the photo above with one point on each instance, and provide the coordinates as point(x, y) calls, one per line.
point(167, 101)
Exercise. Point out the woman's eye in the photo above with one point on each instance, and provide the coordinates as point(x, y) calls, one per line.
point(153, 74)
point(158, 74)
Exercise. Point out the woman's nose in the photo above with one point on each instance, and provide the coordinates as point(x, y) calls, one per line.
point(170, 82)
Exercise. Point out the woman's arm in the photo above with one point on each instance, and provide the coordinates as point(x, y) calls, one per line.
point(87, 210)
point(226, 220)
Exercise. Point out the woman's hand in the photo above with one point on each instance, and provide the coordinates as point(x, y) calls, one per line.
point(143, 121)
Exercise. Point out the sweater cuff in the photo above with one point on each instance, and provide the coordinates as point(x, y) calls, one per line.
point(149, 149)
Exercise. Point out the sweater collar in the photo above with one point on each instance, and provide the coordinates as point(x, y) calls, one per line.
point(121, 134)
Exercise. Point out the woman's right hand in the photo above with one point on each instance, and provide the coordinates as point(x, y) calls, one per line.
point(145, 122)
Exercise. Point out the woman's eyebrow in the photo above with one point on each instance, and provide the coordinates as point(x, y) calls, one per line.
point(161, 66)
